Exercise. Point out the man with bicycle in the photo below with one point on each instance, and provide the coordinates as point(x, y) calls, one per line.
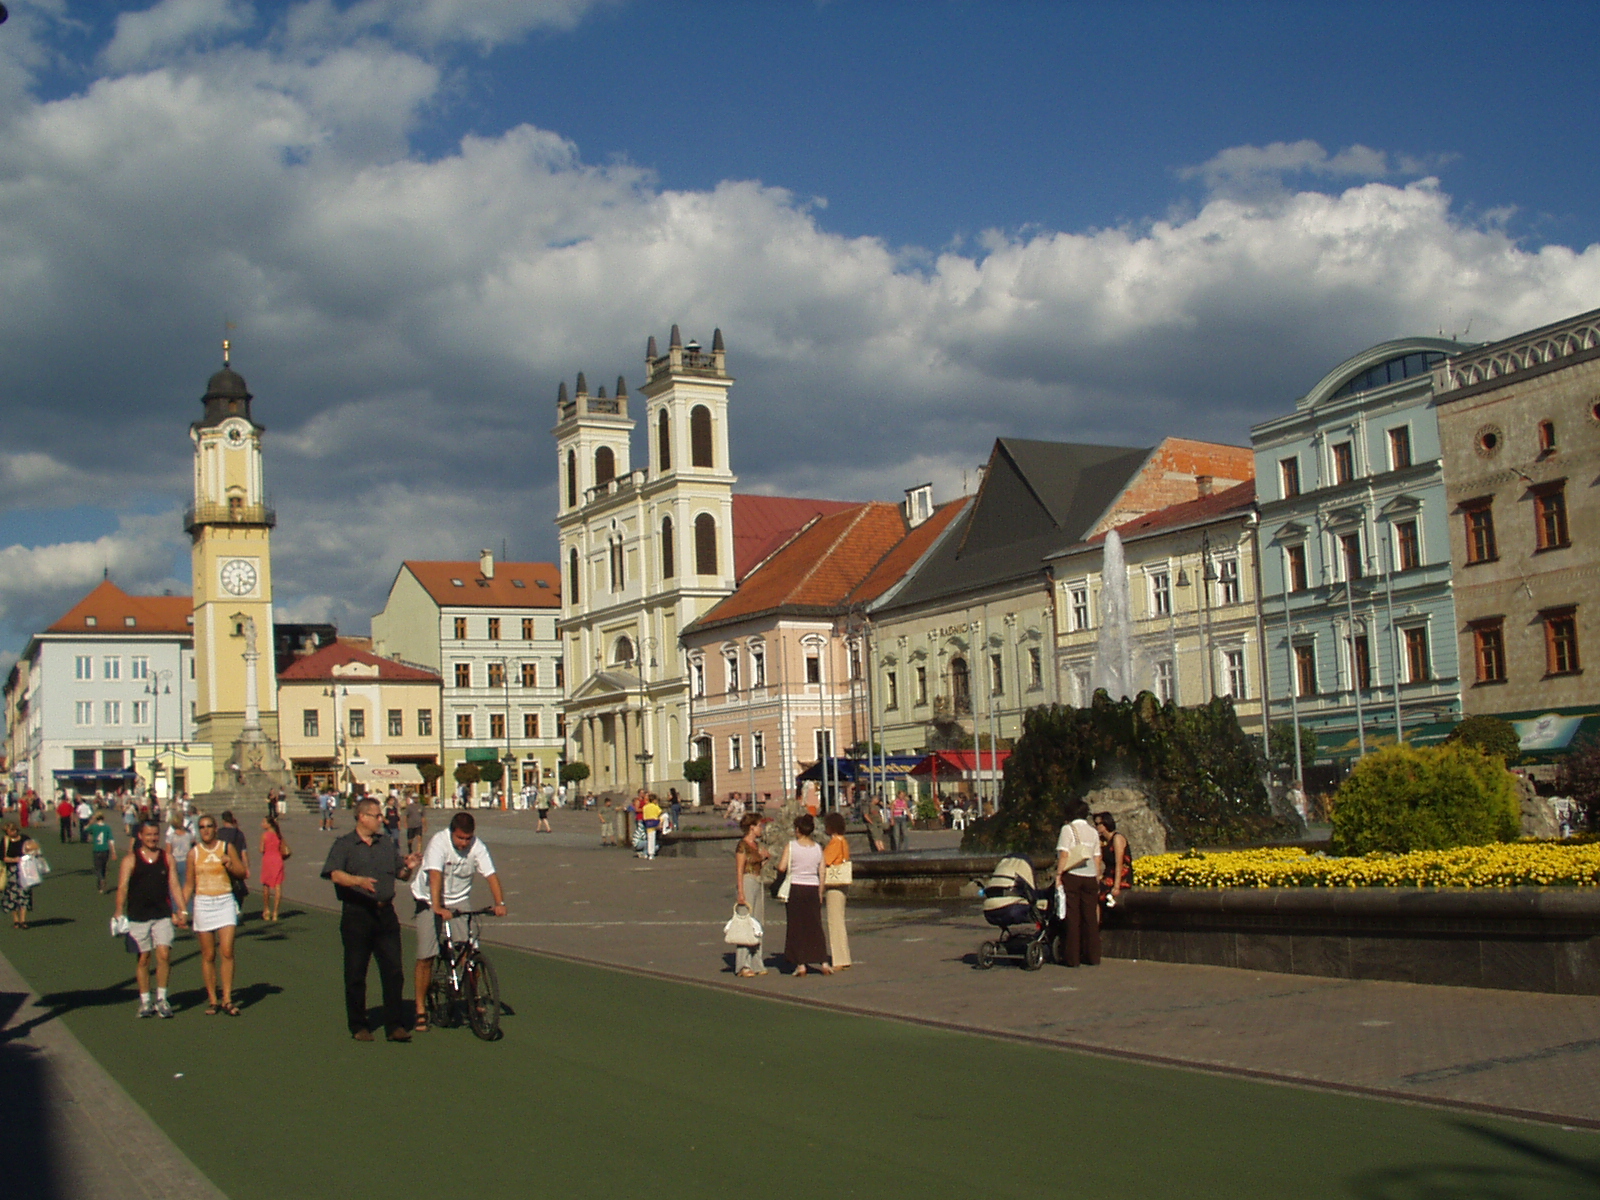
point(444, 883)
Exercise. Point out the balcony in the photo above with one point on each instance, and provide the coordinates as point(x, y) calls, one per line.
point(228, 514)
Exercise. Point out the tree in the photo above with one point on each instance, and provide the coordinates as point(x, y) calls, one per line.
point(467, 772)
point(1404, 798)
point(574, 772)
point(697, 770)
point(1580, 778)
point(1491, 735)
point(1280, 745)
point(491, 771)
point(431, 773)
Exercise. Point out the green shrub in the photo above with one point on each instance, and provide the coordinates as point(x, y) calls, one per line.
point(927, 809)
point(697, 770)
point(574, 772)
point(1406, 798)
point(1491, 735)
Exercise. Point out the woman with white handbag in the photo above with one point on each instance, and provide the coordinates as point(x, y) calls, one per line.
point(837, 874)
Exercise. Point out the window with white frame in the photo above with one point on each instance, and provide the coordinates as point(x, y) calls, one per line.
point(823, 740)
point(1233, 667)
point(111, 667)
point(731, 658)
point(1161, 593)
point(1163, 670)
point(1227, 581)
point(697, 677)
point(891, 690)
point(139, 667)
point(83, 666)
point(758, 666)
point(83, 712)
point(997, 679)
point(735, 753)
point(1082, 690)
point(1035, 668)
point(111, 712)
point(758, 749)
point(141, 712)
point(855, 660)
point(922, 685)
point(1080, 607)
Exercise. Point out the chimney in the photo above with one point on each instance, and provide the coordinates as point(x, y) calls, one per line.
point(486, 563)
point(1203, 485)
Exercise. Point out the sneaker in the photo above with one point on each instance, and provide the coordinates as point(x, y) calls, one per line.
point(146, 1010)
point(164, 1010)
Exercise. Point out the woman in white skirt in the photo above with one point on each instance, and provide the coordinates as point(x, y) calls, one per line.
point(213, 866)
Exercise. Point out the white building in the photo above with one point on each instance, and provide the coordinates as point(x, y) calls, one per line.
point(102, 693)
point(489, 631)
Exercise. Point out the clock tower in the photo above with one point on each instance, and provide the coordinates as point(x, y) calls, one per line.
point(230, 525)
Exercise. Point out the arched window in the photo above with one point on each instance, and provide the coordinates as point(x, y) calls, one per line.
point(623, 651)
point(700, 436)
point(616, 566)
point(572, 479)
point(705, 544)
point(664, 441)
point(605, 466)
point(669, 566)
point(960, 685)
point(572, 574)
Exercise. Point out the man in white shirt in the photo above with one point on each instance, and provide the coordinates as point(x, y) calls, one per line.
point(443, 884)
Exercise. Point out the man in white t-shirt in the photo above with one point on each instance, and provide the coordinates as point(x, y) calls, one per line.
point(443, 885)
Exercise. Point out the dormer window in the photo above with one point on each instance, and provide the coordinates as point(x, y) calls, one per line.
point(544, 583)
point(130, 622)
point(91, 621)
point(457, 583)
point(518, 583)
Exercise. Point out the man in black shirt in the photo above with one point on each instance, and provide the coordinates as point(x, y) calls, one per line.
point(363, 866)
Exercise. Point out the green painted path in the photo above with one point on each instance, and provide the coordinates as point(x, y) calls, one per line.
point(608, 1084)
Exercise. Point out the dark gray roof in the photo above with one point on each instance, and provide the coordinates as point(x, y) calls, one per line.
point(1036, 497)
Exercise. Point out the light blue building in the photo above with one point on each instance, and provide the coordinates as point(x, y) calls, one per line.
point(1355, 555)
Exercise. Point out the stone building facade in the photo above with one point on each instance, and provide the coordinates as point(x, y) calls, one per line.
point(1519, 427)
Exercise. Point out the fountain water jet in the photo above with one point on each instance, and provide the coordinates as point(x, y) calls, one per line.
point(1112, 669)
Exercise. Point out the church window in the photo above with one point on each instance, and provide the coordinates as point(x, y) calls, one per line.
point(617, 580)
point(668, 567)
point(572, 574)
point(700, 436)
point(705, 544)
point(622, 652)
point(605, 466)
point(572, 479)
point(664, 441)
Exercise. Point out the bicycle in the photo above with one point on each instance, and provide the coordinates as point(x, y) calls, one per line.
point(464, 981)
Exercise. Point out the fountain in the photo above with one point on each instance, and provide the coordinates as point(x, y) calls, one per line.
point(1112, 669)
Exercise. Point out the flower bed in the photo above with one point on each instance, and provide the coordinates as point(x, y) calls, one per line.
point(1506, 864)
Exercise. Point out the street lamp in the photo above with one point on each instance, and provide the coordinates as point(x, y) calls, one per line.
point(154, 688)
point(333, 693)
point(644, 758)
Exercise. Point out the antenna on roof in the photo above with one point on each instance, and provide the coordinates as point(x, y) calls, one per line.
point(504, 557)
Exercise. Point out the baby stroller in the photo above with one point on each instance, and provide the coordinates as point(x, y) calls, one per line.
point(1020, 911)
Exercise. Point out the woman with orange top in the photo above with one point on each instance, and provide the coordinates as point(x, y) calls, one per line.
point(835, 853)
point(213, 866)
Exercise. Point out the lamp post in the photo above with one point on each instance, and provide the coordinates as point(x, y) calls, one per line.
point(646, 646)
point(333, 693)
point(154, 688)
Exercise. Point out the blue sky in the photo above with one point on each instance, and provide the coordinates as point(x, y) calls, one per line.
point(921, 226)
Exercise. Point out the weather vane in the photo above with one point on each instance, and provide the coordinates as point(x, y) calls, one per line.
point(226, 344)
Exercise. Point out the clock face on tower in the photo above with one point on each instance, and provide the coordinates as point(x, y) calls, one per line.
point(238, 576)
point(235, 432)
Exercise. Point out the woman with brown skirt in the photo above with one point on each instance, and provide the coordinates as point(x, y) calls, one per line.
point(803, 942)
point(835, 853)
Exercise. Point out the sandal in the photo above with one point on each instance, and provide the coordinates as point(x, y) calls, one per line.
point(422, 1023)
point(213, 1009)
point(231, 1009)
point(747, 973)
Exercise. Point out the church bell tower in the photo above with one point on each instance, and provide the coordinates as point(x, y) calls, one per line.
point(230, 526)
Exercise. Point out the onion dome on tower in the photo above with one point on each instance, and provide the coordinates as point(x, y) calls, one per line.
point(226, 396)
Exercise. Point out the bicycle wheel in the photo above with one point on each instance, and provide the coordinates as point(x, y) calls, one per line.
point(438, 1002)
point(482, 993)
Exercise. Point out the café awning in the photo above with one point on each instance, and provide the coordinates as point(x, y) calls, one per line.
point(961, 764)
point(386, 774)
point(854, 770)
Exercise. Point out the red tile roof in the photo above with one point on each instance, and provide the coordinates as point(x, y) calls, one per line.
point(893, 566)
point(1190, 512)
point(111, 609)
point(763, 523)
point(319, 666)
point(503, 591)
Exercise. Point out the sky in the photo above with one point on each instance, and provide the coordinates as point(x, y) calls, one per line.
point(920, 226)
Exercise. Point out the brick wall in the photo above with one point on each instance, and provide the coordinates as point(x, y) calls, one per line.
point(1173, 475)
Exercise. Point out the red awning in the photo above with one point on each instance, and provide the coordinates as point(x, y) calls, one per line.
point(961, 763)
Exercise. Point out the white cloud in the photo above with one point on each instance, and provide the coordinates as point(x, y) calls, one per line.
point(172, 26)
point(1260, 170)
point(404, 322)
point(480, 23)
point(38, 584)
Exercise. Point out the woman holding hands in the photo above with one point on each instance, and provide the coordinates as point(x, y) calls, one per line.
point(804, 942)
point(213, 866)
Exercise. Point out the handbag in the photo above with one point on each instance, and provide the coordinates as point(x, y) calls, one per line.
point(742, 929)
point(838, 874)
point(1079, 854)
point(283, 850)
point(783, 888)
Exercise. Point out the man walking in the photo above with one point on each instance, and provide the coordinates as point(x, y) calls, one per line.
point(64, 814)
point(103, 847)
point(416, 824)
point(84, 812)
point(443, 886)
point(148, 892)
point(363, 866)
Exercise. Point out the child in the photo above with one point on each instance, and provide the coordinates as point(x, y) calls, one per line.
point(31, 870)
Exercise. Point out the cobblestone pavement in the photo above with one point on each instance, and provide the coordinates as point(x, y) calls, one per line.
point(82, 1137)
point(1518, 1051)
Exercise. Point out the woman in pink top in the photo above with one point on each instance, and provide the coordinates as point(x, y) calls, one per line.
point(803, 941)
point(271, 869)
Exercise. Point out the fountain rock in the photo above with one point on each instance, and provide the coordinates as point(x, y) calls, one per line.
point(1136, 816)
point(1538, 815)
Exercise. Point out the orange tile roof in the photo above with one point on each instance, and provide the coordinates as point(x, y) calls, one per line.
point(503, 591)
point(763, 523)
point(111, 609)
point(893, 566)
point(319, 665)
